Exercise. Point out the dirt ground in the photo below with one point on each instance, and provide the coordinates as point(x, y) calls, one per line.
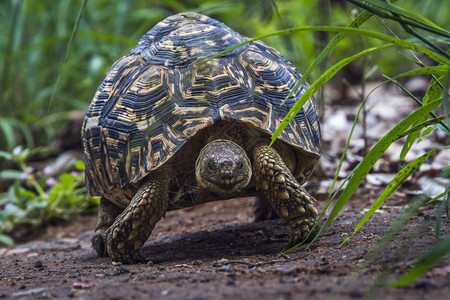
point(216, 251)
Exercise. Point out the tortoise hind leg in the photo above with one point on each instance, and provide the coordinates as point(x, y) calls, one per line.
point(286, 196)
point(107, 213)
point(262, 209)
point(134, 225)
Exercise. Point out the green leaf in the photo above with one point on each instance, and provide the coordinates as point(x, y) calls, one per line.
point(425, 263)
point(38, 203)
point(424, 133)
point(67, 180)
point(371, 158)
point(11, 174)
point(6, 155)
point(79, 165)
point(6, 240)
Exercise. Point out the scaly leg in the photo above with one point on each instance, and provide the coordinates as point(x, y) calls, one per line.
point(134, 225)
point(262, 209)
point(107, 213)
point(287, 197)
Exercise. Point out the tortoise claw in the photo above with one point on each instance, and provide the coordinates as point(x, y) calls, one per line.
point(298, 234)
point(99, 245)
point(128, 257)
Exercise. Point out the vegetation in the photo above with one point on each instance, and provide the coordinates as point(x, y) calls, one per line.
point(53, 59)
point(39, 197)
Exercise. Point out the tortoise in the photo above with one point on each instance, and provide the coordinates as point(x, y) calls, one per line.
point(168, 128)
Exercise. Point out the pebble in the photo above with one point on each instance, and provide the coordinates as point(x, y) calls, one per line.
point(221, 262)
point(29, 292)
point(117, 271)
point(81, 285)
point(38, 264)
point(225, 268)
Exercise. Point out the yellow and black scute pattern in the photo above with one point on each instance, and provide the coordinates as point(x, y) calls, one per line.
point(162, 93)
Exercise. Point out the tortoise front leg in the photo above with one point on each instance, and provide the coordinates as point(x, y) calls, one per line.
point(287, 197)
point(134, 225)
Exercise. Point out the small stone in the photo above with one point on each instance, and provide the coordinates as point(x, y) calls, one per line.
point(117, 271)
point(81, 285)
point(225, 268)
point(38, 264)
point(221, 262)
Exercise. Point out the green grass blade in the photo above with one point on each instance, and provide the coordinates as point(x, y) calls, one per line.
point(445, 101)
point(407, 44)
point(324, 209)
point(344, 152)
point(441, 249)
point(424, 124)
point(372, 157)
point(399, 224)
point(403, 12)
point(66, 54)
point(363, 17)
point(417, 100)
point(324, 78)
point(434, 92)
point(8, 133)
point(11, 174)
point(399, 178)
point(436, 70)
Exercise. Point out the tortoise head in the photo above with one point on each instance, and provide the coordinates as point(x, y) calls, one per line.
point(223, 167)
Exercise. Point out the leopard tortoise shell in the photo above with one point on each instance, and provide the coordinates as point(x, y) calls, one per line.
point(168, 128)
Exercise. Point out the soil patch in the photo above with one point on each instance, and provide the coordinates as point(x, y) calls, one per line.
point(216, 251)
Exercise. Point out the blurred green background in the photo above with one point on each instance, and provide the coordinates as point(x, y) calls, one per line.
point(48, 79)
point(35, 36)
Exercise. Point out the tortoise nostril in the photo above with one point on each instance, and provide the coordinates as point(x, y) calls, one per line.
point(226, 163)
